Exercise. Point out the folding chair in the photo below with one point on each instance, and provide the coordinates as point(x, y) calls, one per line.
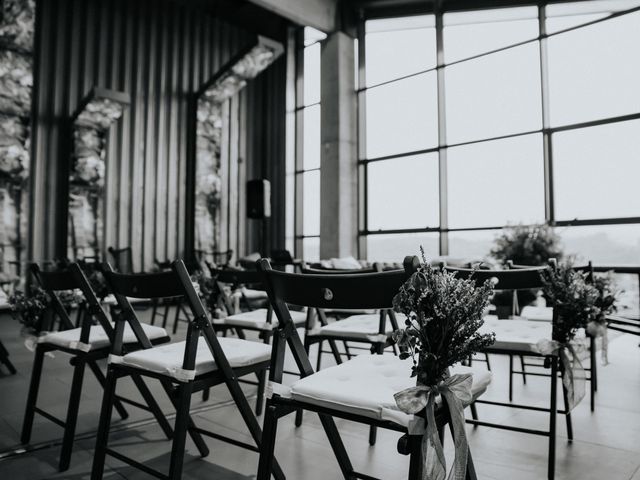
point(4, 359)
point(360, 389)
point(257, 320)
point(86, 344)
point(183, 368)
point(181, 312)
point(520, 337)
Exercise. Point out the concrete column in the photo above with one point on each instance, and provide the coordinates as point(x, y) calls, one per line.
point(339, 169)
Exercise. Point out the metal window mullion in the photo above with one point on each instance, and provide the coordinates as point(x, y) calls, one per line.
point(549, 207)
point(363, 169)
point(299, 143)
point(442, 133)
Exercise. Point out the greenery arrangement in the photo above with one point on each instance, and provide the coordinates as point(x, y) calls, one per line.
point(29, 309)
point(527, 245)
point(580, 304)
point(443, 314)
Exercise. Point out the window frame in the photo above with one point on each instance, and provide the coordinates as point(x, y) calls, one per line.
point(547, 131)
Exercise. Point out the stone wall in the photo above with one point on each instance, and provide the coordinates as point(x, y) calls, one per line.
point(17, 21)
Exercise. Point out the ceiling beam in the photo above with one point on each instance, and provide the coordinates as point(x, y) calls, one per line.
point(320, 14)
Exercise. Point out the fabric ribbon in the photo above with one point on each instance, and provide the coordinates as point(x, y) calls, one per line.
point(596, 330)
point(456, 390)
point(574, 377)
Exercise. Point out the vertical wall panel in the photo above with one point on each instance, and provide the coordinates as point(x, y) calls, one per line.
point(159, 52)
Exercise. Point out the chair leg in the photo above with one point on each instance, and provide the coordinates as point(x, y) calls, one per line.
point(471, 469)
point(346, 349)
point(553, 410)
point(373, 434)
point(338, 446)
point(474, 413)
point(486, 357)
point(269, 430)
point(176, 318)
point(72, 416)
point(319, 360)
point(153, 405)
point(165, 317)
point(4, 359)
point(524, 374)
point(183, 405)
point(567, 415)
point(33, 395)
point(251, 423)
point(154, 311)
point(102, 437)
point(511, 378)
point(206, 393)
point(416, 462)
point(101, 379)
point(262, 380)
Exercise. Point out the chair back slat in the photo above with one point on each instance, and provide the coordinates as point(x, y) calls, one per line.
point(143, 285)
point(54, 280)
point(516, 279)
point(307, 269)
point(236, 277)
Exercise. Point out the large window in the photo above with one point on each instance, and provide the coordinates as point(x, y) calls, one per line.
point(472, 121)
point(307, 175)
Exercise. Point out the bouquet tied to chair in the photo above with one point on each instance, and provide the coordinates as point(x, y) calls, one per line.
point(578, 304)
point(443, 314)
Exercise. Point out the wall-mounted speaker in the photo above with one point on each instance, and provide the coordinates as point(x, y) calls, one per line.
point(258, 199)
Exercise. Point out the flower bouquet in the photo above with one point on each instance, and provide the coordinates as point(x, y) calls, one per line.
point(443, 314)
point(577, 304)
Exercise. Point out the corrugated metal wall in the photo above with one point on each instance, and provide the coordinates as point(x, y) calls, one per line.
point(158, 51)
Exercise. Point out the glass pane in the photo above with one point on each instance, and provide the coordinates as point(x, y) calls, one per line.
point(403, 193)
point(472, 246)
point(567, 15)
point(311, 35)
point(311, 201)
point(603, 244)
point(311, 249)
point(393, 248)
point(494, 95)
point(311, 143)
point(496, 183)
point(592, 73)
point(596, 171)
point(402, 116)
point(471, 33)
point(399, 46)
point(312, 74)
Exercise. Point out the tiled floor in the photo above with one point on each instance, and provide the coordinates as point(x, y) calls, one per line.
point(606, 445)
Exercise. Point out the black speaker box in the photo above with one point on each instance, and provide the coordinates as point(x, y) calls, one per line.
point(258, 199)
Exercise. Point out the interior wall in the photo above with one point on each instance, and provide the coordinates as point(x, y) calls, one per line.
point(159, 52)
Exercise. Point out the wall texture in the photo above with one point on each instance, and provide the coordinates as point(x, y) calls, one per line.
point(159, 52)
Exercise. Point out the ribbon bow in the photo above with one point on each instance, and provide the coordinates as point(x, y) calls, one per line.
point(573, 374)
point(596, 330)
point(456, 390)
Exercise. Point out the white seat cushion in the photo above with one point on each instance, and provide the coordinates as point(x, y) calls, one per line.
point(257, 319)
point(539, 314)
point(167, 359)
point(365, 327)
point(365, 385)
point(251, 294)
point(515, 334)
point(97, 337)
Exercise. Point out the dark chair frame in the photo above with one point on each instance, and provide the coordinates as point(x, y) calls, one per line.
point(350, 291)
point(173, 283)
point(68, 279)
point(181, 312)
point(524, 279)
point(122, 259)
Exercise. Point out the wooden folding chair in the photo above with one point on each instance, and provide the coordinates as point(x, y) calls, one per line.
point(340, 391)
point(520, 337)
point(161, 307)
point(86, 344)
point(201, 361)
point(258, 320)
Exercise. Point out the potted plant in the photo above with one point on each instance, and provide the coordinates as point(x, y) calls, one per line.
point(531, 245)
point(443, 315)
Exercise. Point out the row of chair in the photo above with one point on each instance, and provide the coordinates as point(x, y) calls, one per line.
point(204, 359)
